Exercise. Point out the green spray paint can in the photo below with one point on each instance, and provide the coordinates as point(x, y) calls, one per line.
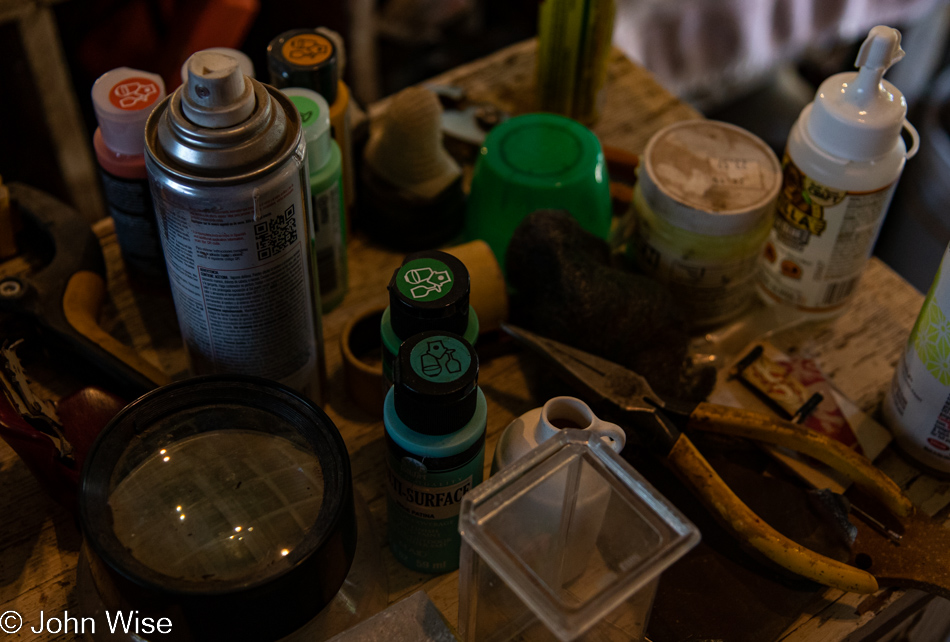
point(429, 291)
point(435, 416)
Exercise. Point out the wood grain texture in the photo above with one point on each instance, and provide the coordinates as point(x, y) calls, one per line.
point(38, 539)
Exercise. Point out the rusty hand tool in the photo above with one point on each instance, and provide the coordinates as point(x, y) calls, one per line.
point(65, 295)
point(62, 298)
point(628, 395)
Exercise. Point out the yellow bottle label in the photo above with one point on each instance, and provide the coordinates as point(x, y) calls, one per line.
point(821, 240)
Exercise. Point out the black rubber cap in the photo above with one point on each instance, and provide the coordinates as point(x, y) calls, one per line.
point(429, 291)
point(304, 58)
point(436, 379)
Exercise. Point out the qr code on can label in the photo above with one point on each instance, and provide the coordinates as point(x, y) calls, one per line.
point(276, 233)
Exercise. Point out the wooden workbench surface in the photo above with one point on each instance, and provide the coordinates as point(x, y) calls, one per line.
point(38, 539)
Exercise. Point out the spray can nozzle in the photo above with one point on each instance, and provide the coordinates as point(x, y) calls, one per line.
point(217, 93)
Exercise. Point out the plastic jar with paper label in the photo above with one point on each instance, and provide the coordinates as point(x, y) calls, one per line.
point(703, 207)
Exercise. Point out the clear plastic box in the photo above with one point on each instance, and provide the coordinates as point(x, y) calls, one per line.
point(566, 543)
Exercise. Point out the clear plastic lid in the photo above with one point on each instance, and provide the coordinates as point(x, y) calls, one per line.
point(570, 532)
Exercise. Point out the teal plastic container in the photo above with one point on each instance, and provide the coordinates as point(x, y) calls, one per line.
point(435, 417)
point(533, 162)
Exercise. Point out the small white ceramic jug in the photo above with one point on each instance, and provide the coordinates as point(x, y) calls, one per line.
point(540, 424)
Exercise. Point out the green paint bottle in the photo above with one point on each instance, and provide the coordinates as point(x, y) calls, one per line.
point(435, 416)
point(328, 238)
point(428, 292)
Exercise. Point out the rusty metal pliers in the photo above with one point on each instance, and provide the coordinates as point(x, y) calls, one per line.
point(608, 385)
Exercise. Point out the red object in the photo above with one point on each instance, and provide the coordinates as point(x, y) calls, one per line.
point(127, 166)
point(84, 414)
point(159, 40)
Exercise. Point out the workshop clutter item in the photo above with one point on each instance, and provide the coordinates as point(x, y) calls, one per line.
point(540, 424)
point(226, 158)
point(224, 505)
point(429, 291)
point(541, 559)
point(488, 292)
point(51, 439)
point(533, 162)
point(566, 288)
point(915, 407)
point(361, 341)
point(123, 99)
point(844, 157)
point(63, 298)
point(702, 208)
point(574, 40)
point(328, 241)
point(796, 389)
point(314, 59)
point(435, 417)
point(411, 194)
point(628, 397)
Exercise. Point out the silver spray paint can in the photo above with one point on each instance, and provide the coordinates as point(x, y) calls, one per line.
point(227, 166)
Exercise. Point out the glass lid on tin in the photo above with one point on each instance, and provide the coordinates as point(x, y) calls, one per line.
point(222, 486)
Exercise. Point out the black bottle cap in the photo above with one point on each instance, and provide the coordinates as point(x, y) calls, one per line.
point(304, 58)
point(429, 292)
point(436, 379)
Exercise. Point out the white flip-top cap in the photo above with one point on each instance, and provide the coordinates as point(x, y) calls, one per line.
point(315, 115)
point(859, 116)
point(247, 66)
point(123, 99)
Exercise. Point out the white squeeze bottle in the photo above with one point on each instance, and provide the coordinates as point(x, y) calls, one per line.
point(841, 165)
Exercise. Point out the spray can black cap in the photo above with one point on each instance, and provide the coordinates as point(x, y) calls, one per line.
point(304, 58)
point(429, 292)
point(436, 382)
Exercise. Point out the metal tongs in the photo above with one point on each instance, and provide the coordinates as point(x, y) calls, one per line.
point(629, 397)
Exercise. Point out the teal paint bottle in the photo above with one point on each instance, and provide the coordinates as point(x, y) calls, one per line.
point(428, 292)
point(435, 416)
point(328, 238)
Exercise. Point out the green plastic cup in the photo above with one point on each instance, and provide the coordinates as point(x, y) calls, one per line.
point(533, 162)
